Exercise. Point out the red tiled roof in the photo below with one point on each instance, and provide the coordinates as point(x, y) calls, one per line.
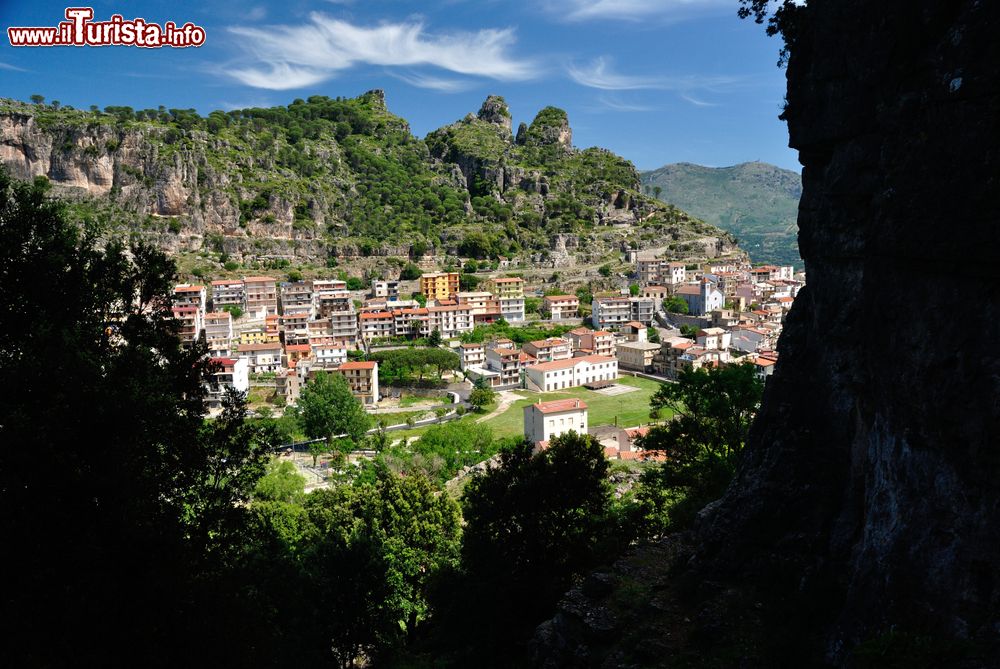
point(227, 282)
point(556, 406)
point(358, 364)
point(188, 289)
point(511, 279)
point(297, 347)
point(553, 298)
point(258, 279)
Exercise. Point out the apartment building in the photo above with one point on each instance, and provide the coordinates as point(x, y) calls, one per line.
point(546, 420)
point(450, 321)
point(261, 357)
point(471, 355)
point(503, 364)
point(232, 373)
point(219, 333)
point(411, 322)
point(559, 307)
point(363, 379)
point(668, 361)
point(439, 285)
point(613, 312)
point(327, 353)
point(652, 270)
point(510, 293)
point(479, 302)
point(296, 353)
point(186, 295)
point(714, 339)
point(376, 325)
point(591, 342)
point(547, 350)
point(297, 297)
point(228, 293)
point(190, 323)
point(637, 355)
point(295, 327)
point(388, 290)
point(261, 294)
point(560, 374)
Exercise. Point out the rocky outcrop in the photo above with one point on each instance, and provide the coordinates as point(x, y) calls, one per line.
point(495, 111)
point(863, 524)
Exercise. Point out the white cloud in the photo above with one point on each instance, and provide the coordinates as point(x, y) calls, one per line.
point(257, 13)
point(610, 103)
point(296, 56)
point(599, 73)
point(433, 83)
point(11, 68)
point(696, 102)
point(636, 10)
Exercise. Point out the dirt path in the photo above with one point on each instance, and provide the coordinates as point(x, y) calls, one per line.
point(507, 398)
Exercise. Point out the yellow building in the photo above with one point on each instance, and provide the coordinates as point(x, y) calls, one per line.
point(257, 337)
point(439, 285)
point(508, 287)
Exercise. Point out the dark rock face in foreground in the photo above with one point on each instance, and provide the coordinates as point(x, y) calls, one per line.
point(867, 512)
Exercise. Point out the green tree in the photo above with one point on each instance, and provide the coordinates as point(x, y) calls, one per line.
point(713, 410)
point(108, 463)
point(233, 309)
point(532, 524)
point(329, 410)
point(281, 483)
point(410, 272)
point(633, 289)
point(481, 397)
point(37, 99)
point(435, 338)
point(605, 270)
point(675, 305)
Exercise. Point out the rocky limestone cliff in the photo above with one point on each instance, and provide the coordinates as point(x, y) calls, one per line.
point(863, 528)
point(342, 177)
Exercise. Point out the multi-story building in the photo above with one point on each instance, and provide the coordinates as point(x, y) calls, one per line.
point(450, 321)
point(411, 322)
point(287, 384)
point(228, 293)
point(545, 420)
point(471, 355)
point(256, 336)
point(637, 355)
point(388, 290)
point(546, 350)
point(297, 297)
point(295, 327)
point(296, 353)
point(232, 373)
point(654, 270)
point(186, 295)
point(559, 307)
point(344, 325)
point(613, 312)
point(668, 361)
point(439, 285)
point(326, 285)
point(261, 357)
point(591, 342)
point(219, 333)
point(750, 339)
point(189, 318)
point(363, 379)
point(376, 325)
point(329, 301)
point(503, 365)
point(510, 293)
point(478, 301)
point(327, 354)
point(261, 294)
point(560, 374)
point(714, 339)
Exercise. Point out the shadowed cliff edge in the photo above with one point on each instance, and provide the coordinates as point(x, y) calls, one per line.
point(862, 528)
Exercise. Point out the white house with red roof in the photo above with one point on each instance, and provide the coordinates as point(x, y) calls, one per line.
point(545, 420)
point(560, 374)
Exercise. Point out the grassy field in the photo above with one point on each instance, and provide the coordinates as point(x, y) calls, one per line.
point(630, 408)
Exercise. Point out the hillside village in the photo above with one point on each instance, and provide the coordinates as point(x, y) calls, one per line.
point(668, 316)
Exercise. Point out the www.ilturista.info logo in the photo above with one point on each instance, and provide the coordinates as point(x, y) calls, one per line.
point(80, 30)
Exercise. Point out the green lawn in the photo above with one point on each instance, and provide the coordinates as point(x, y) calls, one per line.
point(630, 408)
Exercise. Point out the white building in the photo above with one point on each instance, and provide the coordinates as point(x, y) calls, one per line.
point(558, 307)
point(613, 312)
point(560, 374)
point(545, 420)
point(219, 333)
point(232, 373)
point(714, 339)
point(228, 292)
point(262, 357)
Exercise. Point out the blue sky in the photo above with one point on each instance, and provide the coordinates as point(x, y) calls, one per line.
point(656, 81)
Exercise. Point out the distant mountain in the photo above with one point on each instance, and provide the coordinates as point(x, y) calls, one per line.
point(756, 201)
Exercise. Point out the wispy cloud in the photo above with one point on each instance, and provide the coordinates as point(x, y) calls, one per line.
point(433, 83)
point(636, 10)
point(611, 103)
point(11, 68)
point(599, 73)
point(257, 13)
point(696, 102)
point(286, 57)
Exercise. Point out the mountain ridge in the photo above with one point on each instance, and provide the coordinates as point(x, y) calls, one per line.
point(328, 177)
point(755, 201)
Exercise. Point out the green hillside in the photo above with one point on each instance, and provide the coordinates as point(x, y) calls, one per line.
point(756, 202)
